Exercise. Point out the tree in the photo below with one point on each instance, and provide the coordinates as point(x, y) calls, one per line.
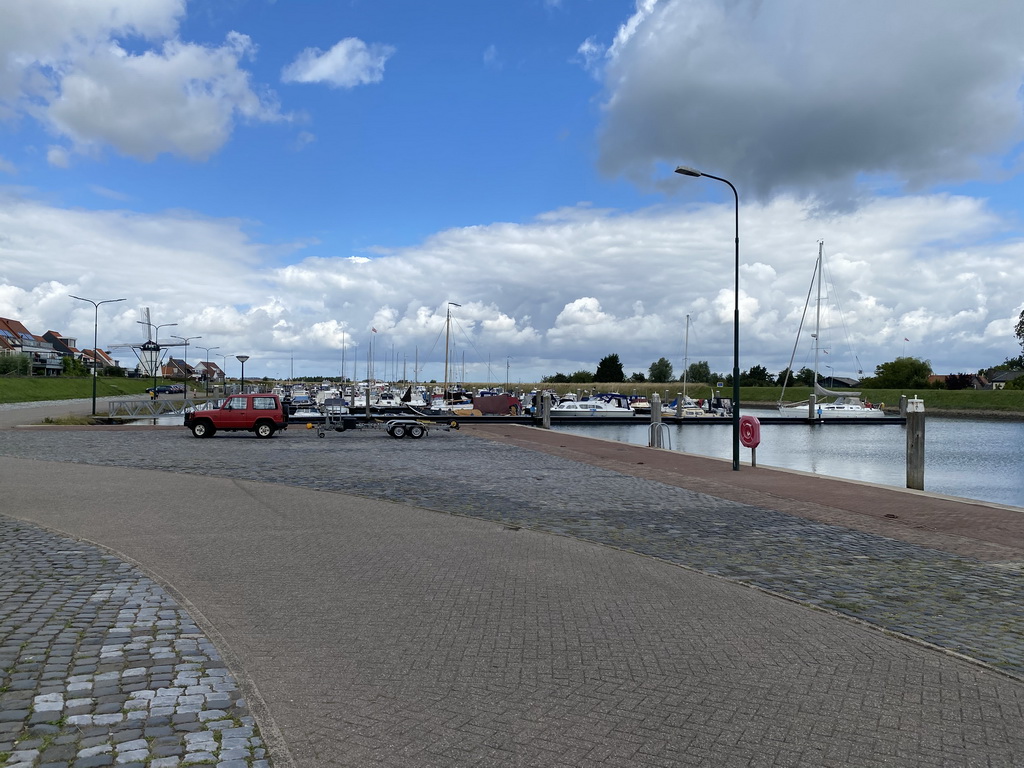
point(637, 378)
point(805, 376)
point(959, 381)
point(699, 372)
point(72, 367)
point(558, 378)
point(610, 370)
point(18, 365)
point(757, 376)
point(901, 373)
point(661, 371)
point(1018, 329)
point(581, 377)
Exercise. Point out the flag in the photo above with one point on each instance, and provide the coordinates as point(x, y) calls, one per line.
point(374, 330)
point(906, 339)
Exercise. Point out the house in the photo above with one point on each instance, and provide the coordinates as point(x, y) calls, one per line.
point(98, 357)
point(63, 344)
point(176, 368)
point(1001, 379)
point(44, 359)
point(209, 371)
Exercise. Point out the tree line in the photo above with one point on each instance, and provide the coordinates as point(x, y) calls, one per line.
point(903, 372)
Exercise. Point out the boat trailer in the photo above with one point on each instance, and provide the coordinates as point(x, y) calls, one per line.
point(396, 428)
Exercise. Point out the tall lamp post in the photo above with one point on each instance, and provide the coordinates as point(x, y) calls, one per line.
point(224, 375)
point(206, 373)
point(242, 359)
point(95, 336)
point(682, 169)
point(184, 364)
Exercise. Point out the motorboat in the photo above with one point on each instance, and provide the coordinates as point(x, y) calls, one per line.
point(593, 408)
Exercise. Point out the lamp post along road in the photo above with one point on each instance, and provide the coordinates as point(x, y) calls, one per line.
point(242, 359)
point(184, 364)
point(95, 337)
point(682, 169)
point(206, 373)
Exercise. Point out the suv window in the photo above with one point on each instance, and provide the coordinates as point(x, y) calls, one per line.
point(264, 403)
point(236, 404)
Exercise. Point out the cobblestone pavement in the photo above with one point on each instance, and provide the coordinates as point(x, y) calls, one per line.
point(100, 666)
point(961, 604)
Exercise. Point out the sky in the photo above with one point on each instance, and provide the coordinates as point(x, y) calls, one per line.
point(304, 182)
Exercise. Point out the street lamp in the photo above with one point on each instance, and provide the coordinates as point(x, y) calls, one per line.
point(224, 375)
point(95, 335)
point(184, 363)
point(682, 169)
point(242, 359)
point(507, 359)
point(206, 373)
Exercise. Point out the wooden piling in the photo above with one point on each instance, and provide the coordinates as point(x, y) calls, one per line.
point(915, 444)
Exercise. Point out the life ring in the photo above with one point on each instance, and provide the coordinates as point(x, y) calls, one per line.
point(750, 431)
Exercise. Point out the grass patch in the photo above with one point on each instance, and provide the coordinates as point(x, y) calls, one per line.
point(32, 389)
point(69, 420)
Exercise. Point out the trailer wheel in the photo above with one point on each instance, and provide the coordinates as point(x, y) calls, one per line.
point(417, 432)
point(398, 431)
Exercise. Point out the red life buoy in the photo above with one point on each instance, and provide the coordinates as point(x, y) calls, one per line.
point(750, 431)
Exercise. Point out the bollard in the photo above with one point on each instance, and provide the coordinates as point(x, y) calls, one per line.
point(915, 444)
point(545, 410)
point(679, 405)
point(655, 432)
point(812, 407)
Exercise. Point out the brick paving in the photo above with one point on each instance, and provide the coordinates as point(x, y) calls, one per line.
point(442, 640)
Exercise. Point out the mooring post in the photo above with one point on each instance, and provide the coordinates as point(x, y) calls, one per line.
point(915, 444)
point(654, 429)
point(812, 407)
point(545, 410)
point(679, 405)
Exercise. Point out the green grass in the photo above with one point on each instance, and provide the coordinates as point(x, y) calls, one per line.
point(30, 389)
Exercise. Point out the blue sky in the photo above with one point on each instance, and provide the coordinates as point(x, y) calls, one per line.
point(281, 177)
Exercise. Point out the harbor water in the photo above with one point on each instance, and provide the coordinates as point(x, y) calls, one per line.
point(971, 458)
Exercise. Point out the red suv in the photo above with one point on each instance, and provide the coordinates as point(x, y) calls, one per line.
point(263, 414)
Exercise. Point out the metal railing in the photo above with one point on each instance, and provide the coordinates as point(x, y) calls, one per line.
point(139, 409)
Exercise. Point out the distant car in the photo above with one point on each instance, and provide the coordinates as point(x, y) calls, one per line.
point(164, 389)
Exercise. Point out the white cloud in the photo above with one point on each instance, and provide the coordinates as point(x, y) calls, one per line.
point(812, 97)
point(349, 63)
point(6, 166)
point(58, 157)
point(66, 66)
point(557, 294)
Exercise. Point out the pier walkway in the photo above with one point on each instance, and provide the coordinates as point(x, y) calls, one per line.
point(497, 596)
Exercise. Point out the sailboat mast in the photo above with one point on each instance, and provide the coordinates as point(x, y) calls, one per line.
point(817, 316)
point(447, 335)
point(686, 356)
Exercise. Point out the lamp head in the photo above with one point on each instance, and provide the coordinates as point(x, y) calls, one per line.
point(688, 171)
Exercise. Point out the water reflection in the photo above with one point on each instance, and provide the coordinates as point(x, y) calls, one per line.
point(975, 459)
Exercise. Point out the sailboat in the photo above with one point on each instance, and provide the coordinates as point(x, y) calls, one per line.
point(845, 404)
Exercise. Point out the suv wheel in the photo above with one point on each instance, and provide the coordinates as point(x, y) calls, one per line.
point(203, 429)
point(264, 429)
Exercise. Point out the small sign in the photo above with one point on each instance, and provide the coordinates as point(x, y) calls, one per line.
point(721, 385)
